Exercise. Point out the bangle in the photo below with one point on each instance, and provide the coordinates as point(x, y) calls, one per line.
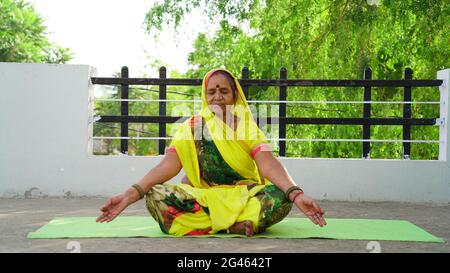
point(299, 193)
point(140, 190)
point(291, 189)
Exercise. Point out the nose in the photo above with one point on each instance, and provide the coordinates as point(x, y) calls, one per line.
point(218, 95)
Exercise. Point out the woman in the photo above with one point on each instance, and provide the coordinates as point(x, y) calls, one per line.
point(233, 182)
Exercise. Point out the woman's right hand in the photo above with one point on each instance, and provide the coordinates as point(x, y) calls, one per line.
point(113, 207)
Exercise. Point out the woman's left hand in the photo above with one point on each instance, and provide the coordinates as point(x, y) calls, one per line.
point(311, 209)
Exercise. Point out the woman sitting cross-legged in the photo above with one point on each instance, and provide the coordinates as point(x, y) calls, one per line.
point(233, 183)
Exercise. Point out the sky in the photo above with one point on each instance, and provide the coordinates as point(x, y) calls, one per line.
point(109, 34)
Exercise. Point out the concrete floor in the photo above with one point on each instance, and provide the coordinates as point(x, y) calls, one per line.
point(18, 217)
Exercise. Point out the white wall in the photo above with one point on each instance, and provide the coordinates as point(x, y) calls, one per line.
point(44, 139)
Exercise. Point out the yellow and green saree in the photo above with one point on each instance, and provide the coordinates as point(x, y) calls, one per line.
point(226, 185)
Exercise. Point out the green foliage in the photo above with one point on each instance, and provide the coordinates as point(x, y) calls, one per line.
point(22, 37)
point(324, 39)
point(140, 147)
point(173, 11)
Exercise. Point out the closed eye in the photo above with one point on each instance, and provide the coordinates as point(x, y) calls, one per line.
point(222, 90)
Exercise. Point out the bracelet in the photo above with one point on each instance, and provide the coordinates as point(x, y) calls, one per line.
point(299, 193)
point(291, 189)
point(140, 190)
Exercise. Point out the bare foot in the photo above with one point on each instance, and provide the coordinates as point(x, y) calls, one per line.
point(245, 227)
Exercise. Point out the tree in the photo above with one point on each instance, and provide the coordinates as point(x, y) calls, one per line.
point(329, 40)
point(22, 36)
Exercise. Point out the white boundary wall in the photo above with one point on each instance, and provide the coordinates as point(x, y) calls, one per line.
point(44, 133)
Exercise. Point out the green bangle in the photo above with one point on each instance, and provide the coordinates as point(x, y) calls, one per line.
point(140, 190)
point(291, 189)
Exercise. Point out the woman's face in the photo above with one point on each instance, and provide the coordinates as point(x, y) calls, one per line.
point(219, 93)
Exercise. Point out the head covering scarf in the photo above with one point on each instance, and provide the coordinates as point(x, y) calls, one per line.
point(234, 146)
point(227, 204)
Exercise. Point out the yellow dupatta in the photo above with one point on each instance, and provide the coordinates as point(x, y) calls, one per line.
point(227, 204)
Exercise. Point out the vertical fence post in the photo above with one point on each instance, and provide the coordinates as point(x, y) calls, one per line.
point(366, 113)
point(91, 113)
point(444, 135)
point(407, 114)
point(282, 114)
point(124, 112)
point(244, 76)
point(162, 110)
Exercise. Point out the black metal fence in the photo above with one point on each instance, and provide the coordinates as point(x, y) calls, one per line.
point(283, 83)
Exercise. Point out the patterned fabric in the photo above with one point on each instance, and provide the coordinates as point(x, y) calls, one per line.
point(226, 186)
point(274, 206)
point(168, 204)
point(213, 168)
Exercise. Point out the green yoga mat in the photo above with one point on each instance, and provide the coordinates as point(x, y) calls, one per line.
point(342, 229)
